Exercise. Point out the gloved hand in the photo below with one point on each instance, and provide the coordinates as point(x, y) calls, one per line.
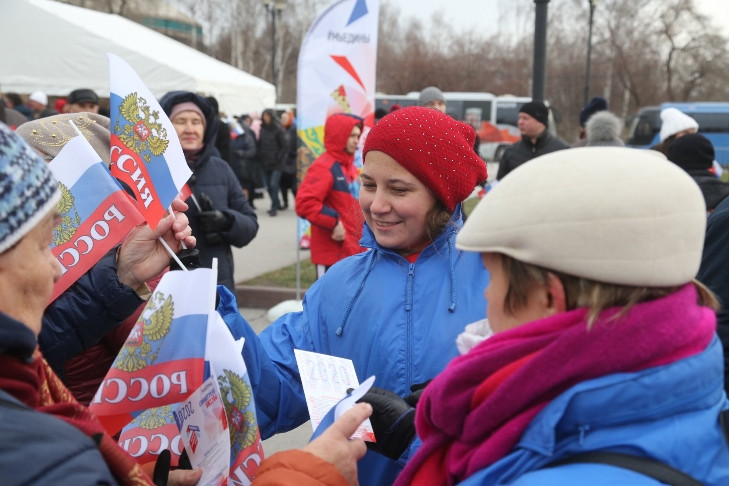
point(416, 390)
point(393, 421)
point(214, 221)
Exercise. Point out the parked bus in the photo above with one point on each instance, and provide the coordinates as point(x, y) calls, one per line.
point(493, 117)
point(712, 117)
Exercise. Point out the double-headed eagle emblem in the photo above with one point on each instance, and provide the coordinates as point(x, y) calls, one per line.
point(69, 217)
point(143, 133)
point(238, 401)
point(142, 345)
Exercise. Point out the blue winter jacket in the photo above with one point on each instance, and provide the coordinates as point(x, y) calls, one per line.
point(394, 319)
point(669, 413)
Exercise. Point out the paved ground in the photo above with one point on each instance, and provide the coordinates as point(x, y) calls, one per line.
point(275, 246)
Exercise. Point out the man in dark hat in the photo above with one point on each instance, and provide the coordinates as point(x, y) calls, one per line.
point(82, 100)
point(535, 138)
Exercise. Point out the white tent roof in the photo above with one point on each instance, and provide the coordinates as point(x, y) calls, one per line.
point(55, 48)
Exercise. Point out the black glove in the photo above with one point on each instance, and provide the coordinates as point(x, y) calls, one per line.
point(393, 420)
point(214, 221)
point(416, 390)
point(162, 466)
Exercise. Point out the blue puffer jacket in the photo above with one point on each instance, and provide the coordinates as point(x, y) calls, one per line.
point(669, 413)
point(212, 176)
point(394, 319)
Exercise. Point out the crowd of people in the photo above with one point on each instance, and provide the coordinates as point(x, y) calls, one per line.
point(563, 332)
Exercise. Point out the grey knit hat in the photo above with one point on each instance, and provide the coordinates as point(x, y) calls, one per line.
point(28, 190)
point(431, 93)
point(603, 130)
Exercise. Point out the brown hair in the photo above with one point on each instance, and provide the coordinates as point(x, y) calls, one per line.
point(437, 219)
point(597, 296)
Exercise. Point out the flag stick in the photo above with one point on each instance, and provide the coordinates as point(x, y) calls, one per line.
point(172, 253)
point(184, 246)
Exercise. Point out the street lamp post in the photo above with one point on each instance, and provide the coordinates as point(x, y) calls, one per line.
point(588, 66)
point(540, 50)
point(274, 8)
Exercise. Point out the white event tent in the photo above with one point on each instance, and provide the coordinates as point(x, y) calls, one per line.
point(55, 48)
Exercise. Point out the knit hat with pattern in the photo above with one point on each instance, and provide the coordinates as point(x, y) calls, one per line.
point(432, 146)
point(28, 190)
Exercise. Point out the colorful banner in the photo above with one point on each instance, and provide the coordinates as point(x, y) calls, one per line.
point(336, 73)
point(145, 151)
point(95, 213)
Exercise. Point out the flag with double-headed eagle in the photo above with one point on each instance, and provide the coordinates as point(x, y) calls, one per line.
point(94, 211)
point(163, 359)
point(145, 151)
point(177, 344)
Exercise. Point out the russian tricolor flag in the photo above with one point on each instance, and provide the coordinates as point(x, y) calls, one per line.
point(145, 151)
point(163, 359)
point(95, 213)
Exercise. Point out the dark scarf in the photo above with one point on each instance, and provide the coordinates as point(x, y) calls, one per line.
point(26, 376)
point(475, 412)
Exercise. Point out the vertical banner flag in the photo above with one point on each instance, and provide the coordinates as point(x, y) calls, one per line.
point(145, 151)
point(95, 213)
point(336, 74)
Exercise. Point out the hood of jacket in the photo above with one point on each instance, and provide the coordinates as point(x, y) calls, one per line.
point(337, 129)
point(173, 98)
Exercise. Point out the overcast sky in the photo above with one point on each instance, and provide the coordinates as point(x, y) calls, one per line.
point(486, 14)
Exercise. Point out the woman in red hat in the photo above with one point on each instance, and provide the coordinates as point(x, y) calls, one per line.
point(394, 310)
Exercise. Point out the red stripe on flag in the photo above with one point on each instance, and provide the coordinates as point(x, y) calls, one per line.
point(95, 236)
point(152, 386)
point(145, 444)
point(128, 167)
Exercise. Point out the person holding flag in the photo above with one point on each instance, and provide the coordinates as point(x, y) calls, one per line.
point(220, 215)
point(98, 310)
point(55, 439)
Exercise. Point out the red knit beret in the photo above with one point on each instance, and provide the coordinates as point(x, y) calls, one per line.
point(432, 146)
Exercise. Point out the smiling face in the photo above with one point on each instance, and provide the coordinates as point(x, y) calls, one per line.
point(395, 204)
point(190, 129)
point(28, 271)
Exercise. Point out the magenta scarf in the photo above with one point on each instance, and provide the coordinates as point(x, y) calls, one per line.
point(463, 433)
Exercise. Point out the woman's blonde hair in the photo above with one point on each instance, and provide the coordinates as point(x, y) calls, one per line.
point(523, 278)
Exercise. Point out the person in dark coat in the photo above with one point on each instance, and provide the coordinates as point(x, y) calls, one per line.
point(694, 153)
point(222, 132)
point(219, 213)
point(288, 174)
point(48, 437)
point(244, 161)
point(535, 138)
point(272, 150)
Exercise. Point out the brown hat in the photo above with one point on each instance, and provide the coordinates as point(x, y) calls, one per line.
point(49, 135)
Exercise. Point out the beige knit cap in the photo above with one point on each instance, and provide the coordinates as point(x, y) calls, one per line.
point(610, 214)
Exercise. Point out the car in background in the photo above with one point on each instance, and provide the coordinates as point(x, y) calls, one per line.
point(712, 117)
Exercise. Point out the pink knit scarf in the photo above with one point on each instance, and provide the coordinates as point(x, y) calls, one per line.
point(464, 431)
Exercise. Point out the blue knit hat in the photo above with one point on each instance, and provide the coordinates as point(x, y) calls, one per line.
point(598, 103)
point(28, 190)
